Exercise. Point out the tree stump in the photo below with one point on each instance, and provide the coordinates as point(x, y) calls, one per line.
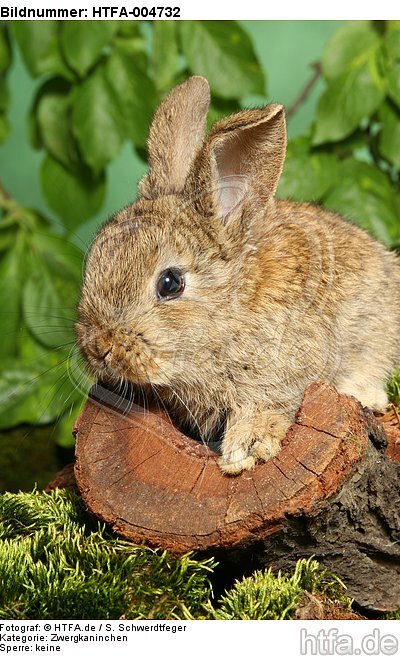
point(333, 491)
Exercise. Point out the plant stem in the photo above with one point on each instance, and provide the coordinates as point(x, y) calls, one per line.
point(303, 95)
point(5, 197)
point(373, 146)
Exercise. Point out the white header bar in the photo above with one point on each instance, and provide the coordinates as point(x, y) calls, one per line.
point(201, 10)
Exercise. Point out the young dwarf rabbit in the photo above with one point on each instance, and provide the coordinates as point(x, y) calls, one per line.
point(226, 301)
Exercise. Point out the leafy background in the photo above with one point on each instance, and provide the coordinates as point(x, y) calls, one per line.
point(76, 99)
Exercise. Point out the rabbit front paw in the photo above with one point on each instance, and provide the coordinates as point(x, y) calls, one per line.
point(249, 440)
point(266, 449)
point(236, 462)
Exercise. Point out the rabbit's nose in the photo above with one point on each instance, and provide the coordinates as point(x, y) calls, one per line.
point(102, 348)
point(107, 353)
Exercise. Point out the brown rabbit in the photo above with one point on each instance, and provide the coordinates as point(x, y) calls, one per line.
point(227, 302)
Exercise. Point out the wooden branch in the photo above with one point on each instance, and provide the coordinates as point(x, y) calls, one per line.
point(331, 492)
point(5, 197)
point(304, 93)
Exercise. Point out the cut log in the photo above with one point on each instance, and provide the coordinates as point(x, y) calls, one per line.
point(65, 478)
point(331, 492)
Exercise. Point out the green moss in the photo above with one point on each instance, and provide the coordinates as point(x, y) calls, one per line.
point(265, 596)
point(57, 562)
point(393, 388)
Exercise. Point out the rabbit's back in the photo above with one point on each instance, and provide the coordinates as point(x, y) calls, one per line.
point(337, 292)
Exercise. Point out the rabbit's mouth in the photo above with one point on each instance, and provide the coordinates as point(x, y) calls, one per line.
point(133, 365)
point(120, 354)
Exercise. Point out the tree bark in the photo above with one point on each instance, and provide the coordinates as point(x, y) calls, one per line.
point(332, 492)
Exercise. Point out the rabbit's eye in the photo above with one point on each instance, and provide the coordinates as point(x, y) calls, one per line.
point(170, 284)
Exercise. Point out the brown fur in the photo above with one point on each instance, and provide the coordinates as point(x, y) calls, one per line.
point(278, 294)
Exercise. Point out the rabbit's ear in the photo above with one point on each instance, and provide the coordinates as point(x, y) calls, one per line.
point(242, 157)
point(175, 136)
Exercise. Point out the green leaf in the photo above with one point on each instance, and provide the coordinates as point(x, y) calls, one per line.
point(12, 268)
point(5, 49)
point(307, 176)
point(65, 425)
point(348, 48)
point(34, 393)
point(365, 196)
point(4, 94)
point(40, 47)
point(58, 254)
point(34, 136)
point(393, 84)
point(389, 139)
point(224, 54)
point(51, 291)
point(98, 123)
point(165, 53)
point(129, 29)
point(392, 41)
point(133, 90)
point(4, 99)
point(346, 147)
point(348, 99)
point(74, 196)
point(8, 233)
point(53, 114)
point(47, 305)
point(4, 128)
point(135, 47)
point(82, 42)
point(220, 108)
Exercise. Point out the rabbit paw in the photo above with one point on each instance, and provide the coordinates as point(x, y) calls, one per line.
point(266, 449)
point(237, 462)
point(245, 442)
point(369, 395)
point(268, 445)
point(235, 448)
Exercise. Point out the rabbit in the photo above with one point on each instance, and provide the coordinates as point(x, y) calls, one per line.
point(226, 302)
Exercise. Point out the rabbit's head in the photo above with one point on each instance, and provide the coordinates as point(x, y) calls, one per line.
point(169, 280)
